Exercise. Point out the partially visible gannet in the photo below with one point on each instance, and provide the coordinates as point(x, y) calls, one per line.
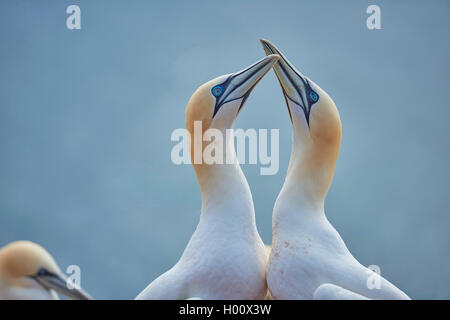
point(225, 257)
point(28, 272)
point(309, 259)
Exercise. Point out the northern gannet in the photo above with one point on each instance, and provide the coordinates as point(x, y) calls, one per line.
point(225, 257)
point(28, 272)
point(309, 259)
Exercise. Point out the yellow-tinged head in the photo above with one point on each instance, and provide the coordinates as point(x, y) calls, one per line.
point(24, 259)
point(218, 102)
point(27, 265)
point(316, 125)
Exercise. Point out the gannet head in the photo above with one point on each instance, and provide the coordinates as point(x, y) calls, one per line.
point(215, 105)
point(218, 102)
point(316, 125)
point(310, 108)
point(28, 271)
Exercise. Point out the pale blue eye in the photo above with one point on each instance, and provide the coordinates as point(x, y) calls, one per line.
point(313, 96)
point(217, 91)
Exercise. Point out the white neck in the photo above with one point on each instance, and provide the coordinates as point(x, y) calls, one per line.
point(315, 148)
point(301, 197)
point(224, 188)
point(32, 292)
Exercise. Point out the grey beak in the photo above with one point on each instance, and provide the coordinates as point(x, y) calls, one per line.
point(240, 84)
point(295, 86)
point(58, 282)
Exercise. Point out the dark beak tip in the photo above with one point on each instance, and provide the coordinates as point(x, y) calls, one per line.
point(268, 47)
point(263, 43)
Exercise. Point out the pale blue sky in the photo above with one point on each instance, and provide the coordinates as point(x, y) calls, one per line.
point(86, 118)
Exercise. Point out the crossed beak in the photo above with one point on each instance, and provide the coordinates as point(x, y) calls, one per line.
point(239, 85)
point(295, 86)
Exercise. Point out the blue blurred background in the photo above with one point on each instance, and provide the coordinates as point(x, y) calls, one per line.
point(86, 117)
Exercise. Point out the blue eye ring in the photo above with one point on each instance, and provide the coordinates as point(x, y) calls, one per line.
point(216, 91)
point(313, 96)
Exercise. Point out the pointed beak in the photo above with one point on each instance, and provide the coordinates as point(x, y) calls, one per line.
point(59, 283)
point(295, 86)
point(240, 84)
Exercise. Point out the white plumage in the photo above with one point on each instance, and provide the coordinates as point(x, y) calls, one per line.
point(225, 258)
point(309, 259)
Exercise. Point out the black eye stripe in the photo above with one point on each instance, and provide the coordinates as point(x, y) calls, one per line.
point(307, 102)
point(217, 91)
point(42, 272)
point(224, 86)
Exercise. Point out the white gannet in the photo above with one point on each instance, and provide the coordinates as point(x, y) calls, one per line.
point(225, 257)
point(28, 272)
point(309, 259)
